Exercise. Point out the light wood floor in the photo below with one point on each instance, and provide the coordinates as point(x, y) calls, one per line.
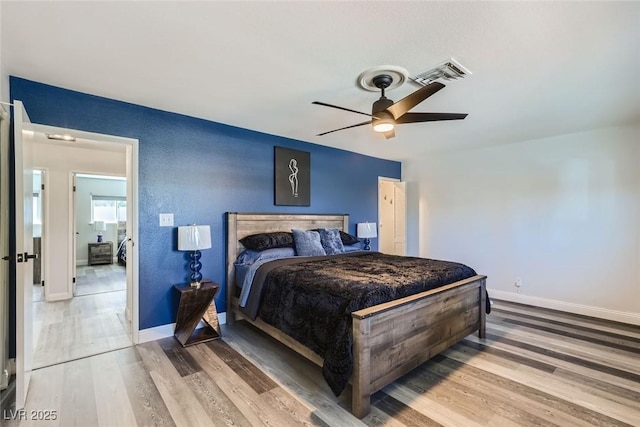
point(79, 327)
point(95, 279)
point(536, 367)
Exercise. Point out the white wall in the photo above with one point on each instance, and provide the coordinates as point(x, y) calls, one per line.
point(59, 162)
point(85, 187)
point(562, 214)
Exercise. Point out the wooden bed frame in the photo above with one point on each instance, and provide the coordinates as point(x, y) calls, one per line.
point(389, 339)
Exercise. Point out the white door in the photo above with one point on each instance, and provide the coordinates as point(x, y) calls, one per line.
point(399, 217)
point(23, 140)
point(392, 216)
point(4, 247)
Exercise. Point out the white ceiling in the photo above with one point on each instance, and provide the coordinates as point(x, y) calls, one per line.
point(539, 68)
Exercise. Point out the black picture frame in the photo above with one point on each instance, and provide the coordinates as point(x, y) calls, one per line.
point(292, 177)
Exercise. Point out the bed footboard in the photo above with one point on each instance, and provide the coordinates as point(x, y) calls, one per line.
point(391, 339)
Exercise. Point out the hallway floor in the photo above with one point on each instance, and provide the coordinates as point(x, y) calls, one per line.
point(90, 323)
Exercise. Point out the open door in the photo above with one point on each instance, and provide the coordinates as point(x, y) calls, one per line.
point(23, 146)
point(4, 248)
point(400, 218)
point(392, 216)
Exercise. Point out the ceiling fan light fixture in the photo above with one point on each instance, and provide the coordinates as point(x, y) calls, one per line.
point(61, 137)
point(384, 122)
point(383, 125)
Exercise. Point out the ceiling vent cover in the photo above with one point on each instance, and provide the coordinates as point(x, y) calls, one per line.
point(448, 70)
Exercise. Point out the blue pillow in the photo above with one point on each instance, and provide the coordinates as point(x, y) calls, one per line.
point(249, 256)
point(308, 243)
point(330, 240)
point(353, 248)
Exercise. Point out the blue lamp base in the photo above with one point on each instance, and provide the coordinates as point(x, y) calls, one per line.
point(195, 265)
point(367, 244)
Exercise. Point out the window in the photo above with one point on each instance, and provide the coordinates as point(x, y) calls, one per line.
point(109, 209)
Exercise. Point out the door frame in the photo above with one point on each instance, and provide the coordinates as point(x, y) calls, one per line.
point(44, 229)
point(132, 162)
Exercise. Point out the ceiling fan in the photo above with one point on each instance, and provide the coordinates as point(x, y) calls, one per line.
point(385, 114)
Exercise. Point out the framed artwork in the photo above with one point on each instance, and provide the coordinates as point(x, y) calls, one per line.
point(292, 174)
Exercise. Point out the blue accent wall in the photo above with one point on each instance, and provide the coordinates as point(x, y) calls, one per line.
point(198, 170)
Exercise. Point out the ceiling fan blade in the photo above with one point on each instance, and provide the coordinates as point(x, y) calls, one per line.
point(428, 117)
point(410, 101)
point(342, 108)
point(390, 134)
point(348, 127)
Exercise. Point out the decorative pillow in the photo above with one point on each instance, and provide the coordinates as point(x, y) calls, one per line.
point(250, 256)
point(308, 243)
point(348, 239)
point(330, 240)
point(353, 248)
point(262, 241)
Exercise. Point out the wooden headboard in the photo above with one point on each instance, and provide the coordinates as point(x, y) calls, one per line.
point(240, 225)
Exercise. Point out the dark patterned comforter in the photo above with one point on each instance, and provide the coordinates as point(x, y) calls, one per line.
point(312, 298)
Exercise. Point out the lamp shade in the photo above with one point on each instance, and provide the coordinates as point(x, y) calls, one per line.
point(367, 230)
point(100, 226)
point(194, 237)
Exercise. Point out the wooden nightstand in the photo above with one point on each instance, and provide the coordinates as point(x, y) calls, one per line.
point(100, 253)
point(197, 304)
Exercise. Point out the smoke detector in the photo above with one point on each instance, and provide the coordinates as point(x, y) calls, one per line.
point(448, 70)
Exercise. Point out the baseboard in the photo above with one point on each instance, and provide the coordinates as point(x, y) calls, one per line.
point(81, 262)
point(58, 297)
point(165, 331)
point(585, 310)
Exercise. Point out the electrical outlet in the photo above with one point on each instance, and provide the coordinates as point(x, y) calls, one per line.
point(166, 220)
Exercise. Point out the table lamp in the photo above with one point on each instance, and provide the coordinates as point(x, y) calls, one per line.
point(100, 226)
point(193, 238)
point(367, 230)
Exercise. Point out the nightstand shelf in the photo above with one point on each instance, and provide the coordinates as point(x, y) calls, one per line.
point(197, 304)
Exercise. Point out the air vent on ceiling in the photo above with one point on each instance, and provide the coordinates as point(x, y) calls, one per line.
point(448, 70)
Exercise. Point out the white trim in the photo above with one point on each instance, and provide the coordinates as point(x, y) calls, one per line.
point(166, 331)
point(61, 296)
point(585, 310)
point(44, 231)
point(156, 333)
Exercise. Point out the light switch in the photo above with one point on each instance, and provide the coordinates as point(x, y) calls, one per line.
point(166, 220)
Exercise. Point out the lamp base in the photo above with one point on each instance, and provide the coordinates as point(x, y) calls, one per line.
point(195, 266)
point(99, 238)
point(367, 243)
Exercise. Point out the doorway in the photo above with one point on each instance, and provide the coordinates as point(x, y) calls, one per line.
point(62, 159)
point(392, 207)
point(100, 212)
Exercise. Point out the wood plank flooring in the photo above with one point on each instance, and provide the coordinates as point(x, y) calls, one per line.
point(79, 327)
point(536, 367)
